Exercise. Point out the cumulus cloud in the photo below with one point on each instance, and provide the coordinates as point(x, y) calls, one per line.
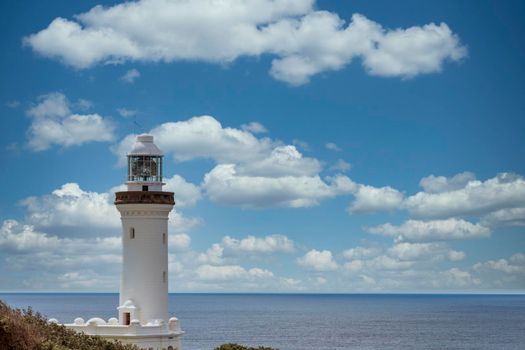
point(130, 76)
point(254, 127)
point(341, 165)
point(231, 272)
point(126, 113)
point(186, 193)
point(223, 184)
point(439, 184)
point(57, 257)
point(332, 146)
point(16, 237)
point(179, 242)
point(513, 265)
point(417, 251)
point(203, 137)
point(361, 252)
point(302, 40)
point(252, 244)
point(458, 277)
point(371, 199)
point(229, 249)
point(408, 266)
point(318, 261)
point(53, 123)
point(433, 230)
point(465, 196)
point(251, 171)
point(70, 210)
point(505, 217)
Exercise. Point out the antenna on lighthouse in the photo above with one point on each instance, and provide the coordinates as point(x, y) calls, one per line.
point(136, 125)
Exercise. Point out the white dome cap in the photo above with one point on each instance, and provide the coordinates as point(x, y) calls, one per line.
point(144, 146)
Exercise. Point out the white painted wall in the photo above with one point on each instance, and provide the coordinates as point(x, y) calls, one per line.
point(145, 260)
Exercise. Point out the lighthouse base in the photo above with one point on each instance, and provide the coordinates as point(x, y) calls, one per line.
point(159, 336)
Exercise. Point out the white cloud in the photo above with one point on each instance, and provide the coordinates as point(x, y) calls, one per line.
point(250, 171)
point(58, 259)
point(130, 76)
point(73, 211)
point(179, 242)
point(370, 199)
point(427, 251)
point(455, 255)
point(186, 193)
point(84, 104)
point(303, 41)
point(73, 208)
point(204, 137)
point(505, 217)
point(254, 127)
point(318, 260)
point(332, 146)
point(434, 230)
point(282, 161)
point(506, 190)
point(361, 253)
point(461, 278)
point(267, 244)
point(439, 184)
point(231, 272)
point(126, 113)
point(53, 123)
point(341, 165)
point(515, 264)
point(224, 185)
point(16, 237)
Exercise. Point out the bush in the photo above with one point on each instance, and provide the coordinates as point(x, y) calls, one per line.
point(24, 329)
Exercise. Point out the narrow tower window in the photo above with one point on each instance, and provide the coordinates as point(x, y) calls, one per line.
point(164, 276)
point(163, 238)
point(132, 233)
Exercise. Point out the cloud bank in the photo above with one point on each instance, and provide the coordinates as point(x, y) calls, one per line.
point(302, 41)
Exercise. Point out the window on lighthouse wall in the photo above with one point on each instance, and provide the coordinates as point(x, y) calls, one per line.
point(163, 238)
point(132, 233)
point(164, 276)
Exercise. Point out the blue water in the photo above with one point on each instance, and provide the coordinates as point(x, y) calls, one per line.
point(308, 322)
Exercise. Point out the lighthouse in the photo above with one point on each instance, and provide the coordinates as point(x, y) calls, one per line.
point(143, 302)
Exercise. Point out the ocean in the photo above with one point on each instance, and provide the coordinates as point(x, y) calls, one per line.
point(319, 321)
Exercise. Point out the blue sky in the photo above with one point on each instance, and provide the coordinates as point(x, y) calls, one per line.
point(312, 146)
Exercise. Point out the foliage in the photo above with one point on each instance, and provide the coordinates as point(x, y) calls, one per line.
point(25, 329)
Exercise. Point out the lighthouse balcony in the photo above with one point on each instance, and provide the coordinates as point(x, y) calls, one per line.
point(144, 197)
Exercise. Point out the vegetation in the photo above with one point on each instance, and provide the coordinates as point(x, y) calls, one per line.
point(27, 330)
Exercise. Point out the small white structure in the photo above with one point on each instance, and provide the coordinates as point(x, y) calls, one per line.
point(144, 209)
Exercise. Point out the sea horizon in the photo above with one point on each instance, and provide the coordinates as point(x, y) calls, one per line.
point(312, 321)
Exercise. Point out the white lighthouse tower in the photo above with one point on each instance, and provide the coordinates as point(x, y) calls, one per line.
point(143, 303)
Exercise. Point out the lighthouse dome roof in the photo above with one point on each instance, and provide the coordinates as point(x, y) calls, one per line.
point(144, 146)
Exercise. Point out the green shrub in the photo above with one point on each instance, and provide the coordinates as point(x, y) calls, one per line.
point(24, 329)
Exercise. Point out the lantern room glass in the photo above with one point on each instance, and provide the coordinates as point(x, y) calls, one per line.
point(145, 168)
